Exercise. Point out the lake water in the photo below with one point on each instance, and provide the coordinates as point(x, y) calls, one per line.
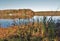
point(9, 22)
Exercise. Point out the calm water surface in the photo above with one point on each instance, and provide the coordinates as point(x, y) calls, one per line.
point(10, 22)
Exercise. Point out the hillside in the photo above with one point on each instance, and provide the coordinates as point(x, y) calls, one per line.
point(26, 13)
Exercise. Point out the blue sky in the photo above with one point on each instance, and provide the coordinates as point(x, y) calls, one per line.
point(36, 5)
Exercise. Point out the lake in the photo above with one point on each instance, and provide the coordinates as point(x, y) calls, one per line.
point(9, 22)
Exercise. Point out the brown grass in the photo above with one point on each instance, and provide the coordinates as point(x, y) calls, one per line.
point(28, 13)
point(5, 32)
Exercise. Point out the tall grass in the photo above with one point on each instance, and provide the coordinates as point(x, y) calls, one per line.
point(40, 31)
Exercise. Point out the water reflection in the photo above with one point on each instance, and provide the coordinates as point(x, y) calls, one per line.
point(10, 22)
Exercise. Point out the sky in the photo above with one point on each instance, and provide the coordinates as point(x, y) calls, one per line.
point(35, 5)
